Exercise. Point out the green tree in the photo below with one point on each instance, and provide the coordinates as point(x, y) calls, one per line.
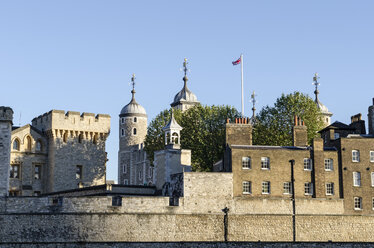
point(203, 132)
point(274, 124)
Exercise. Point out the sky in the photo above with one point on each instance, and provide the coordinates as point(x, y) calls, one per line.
point(79, 55)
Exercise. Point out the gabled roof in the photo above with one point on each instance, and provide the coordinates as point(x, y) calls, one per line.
point(337, 125)
point(17, 129)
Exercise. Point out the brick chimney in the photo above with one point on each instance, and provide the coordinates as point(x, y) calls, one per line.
point(239, 133)
point(371, 119)
point(358, 124)
point(299, 133)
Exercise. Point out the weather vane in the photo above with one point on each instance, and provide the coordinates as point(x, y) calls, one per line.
point(253, 100)
point(315, 79)
point(185, 66)
point(133, 81)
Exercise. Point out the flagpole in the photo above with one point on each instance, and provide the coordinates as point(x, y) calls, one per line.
point(241, 62)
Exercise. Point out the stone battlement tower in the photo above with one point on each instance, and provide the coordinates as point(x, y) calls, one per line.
point(6, 118)
point(76, 148)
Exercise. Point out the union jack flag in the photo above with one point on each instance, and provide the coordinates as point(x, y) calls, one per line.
point(236, 62)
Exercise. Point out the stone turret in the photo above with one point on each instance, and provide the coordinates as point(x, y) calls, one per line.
point(325, 113)
point(6, 118)
point(172, 160)
point(184, 99)
point(133, 166)
point(371, 119)
point(132, 123)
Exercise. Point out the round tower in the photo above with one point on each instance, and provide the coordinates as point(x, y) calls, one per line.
point(132, 123)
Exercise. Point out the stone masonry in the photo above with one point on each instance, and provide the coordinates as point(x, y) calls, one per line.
point(6, 118)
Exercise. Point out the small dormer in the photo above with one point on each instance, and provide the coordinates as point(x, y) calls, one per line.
point(172, 133)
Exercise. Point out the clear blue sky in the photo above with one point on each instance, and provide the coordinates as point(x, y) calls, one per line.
point(79, 55)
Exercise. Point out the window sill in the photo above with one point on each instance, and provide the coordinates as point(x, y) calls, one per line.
point(245, 193)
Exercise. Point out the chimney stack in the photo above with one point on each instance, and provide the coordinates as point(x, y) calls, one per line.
point(299, 133)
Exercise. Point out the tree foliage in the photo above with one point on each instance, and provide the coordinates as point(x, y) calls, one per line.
point(274, 124)
point(203, 133)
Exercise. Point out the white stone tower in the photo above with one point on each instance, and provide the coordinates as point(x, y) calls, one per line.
point(184, 99)
point(6, 118)
point(326, 115)
point(132, 161)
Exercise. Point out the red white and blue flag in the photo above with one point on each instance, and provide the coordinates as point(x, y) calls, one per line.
point(236, 62)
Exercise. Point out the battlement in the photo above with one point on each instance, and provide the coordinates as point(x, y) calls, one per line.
point(72, 120)
point(6, 114)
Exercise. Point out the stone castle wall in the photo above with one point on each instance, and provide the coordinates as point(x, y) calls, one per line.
point(150, 219)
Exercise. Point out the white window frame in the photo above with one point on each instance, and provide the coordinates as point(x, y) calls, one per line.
point(287, 188)
point(356, 179)
point(247, 187)
point(330, 189)
point(357, 203)
point(266, 188)
point(329, 164)
point(371, 156)
point(140, 175)
point(265, 163)
point(246, 163)
point(308, 164)
point(124, 169)
point(308, 188)
point(372, 204)
point(355, 156)
point(372, 179)
point(125, 181)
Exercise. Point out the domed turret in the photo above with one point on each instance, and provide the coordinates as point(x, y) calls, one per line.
point(326, 115)
point(132, 122)
point(133, 108)
point(184, 99)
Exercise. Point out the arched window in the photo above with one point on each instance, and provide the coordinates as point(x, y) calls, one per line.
point(38, 146)
point(95, 138)
point(134, 131)
point(122, 120)
point(175, 138)
point(122, 132)
point(65, 138)
point(135, 119)
point(28, 143)
point(16, 144)
point(80, 138)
